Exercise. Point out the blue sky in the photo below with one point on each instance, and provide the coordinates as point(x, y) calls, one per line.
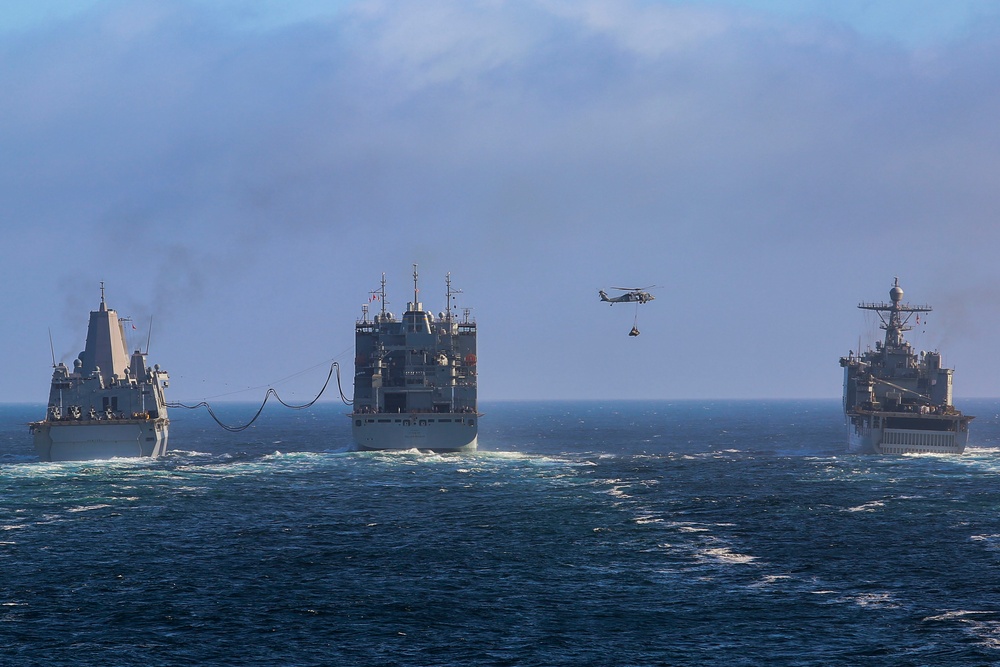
point(913, 22)
point(243, 173)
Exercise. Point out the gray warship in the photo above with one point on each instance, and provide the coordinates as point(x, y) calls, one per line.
point(110, 405)
point(898, 402)
point(415, 378)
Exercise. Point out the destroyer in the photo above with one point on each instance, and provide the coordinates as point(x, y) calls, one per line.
point(415, 378)
point(111, 405)
point(897, 402)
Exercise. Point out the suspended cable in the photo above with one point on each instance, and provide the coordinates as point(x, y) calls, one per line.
point(271, 391)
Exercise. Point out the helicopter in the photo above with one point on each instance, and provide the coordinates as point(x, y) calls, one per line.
point(638, 294)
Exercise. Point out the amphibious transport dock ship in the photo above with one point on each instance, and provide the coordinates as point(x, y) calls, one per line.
point(898, 402)
point(415, 378)
point(110, 405)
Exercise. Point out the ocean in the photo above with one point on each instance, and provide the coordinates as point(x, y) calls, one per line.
point(582, 533)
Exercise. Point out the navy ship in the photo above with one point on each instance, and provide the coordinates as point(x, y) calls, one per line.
point(415, 377)
point(896, 401)
point(110, 405)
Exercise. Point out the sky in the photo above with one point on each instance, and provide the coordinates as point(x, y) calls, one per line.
point(241, 174)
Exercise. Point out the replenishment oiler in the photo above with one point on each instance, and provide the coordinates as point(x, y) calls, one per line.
point(111, 405)
point(898, 402)
point(415, 377)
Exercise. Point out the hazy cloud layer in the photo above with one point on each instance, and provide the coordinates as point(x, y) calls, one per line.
point(247, 187)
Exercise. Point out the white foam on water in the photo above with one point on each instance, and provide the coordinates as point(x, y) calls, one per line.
point(87, 508)
point(726, 555)
point(870, 506)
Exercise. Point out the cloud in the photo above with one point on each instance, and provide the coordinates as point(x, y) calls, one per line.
point(166, 110)
point(520, 144)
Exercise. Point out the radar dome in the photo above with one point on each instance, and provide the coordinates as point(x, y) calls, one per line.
point(896, 294)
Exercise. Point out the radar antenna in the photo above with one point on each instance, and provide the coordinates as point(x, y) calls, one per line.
point(898, 315)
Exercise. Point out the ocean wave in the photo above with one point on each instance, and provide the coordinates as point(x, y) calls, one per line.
point(688, 527)
point(726, 555)
point(87, 508)
point(880, 600)
point(185, 453)
point(982, 626)
point(870, 506)
point(960, 614)
point(644, 520)
point(992, 541)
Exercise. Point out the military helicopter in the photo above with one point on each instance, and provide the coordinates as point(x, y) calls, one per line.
point(635, 295)
point(638, 294)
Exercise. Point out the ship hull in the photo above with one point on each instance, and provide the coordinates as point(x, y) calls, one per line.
point(439, 433)
point(71, 440)
point(874, 434)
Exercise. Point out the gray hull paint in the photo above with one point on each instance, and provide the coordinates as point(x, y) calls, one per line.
point(435, 437)
point(87, 441)
point(863, 438)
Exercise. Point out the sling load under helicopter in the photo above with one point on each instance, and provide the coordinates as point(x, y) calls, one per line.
point(637, 295)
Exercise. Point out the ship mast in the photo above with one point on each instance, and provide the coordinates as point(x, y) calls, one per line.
point(415, 289)
point(381, 294)
point(449, 295)
point(898, 315)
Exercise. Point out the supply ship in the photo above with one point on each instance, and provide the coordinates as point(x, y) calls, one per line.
point(896, 401)
point(110, 405)
point(415, 377)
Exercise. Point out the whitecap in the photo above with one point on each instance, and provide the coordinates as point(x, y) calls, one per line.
point(873, 600)
point(87, 508)
point(977, 624)
point(959, 614)
point(726, 555)
point(867, 507)
point(688, 528)
point(643, 520)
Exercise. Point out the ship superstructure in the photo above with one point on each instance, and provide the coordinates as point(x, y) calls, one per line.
point(110, 405)
point(415, 377)
point(897, 401)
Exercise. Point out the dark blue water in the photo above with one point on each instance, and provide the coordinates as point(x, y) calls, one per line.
point(727, 533)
